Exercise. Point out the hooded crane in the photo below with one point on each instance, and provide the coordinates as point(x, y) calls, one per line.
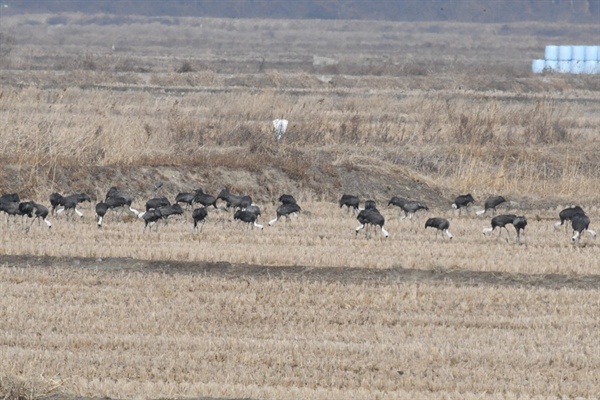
point(205, 199)
point(350, 201)
point(286, 210)
point(247, 216)
point(581, 223)
point(116, 198)
point(441, 224)
point(69, 203)
point(41, 212)
point(101, 209)
point(199, 215)
point(111, 203)
point(411, 207)
point(519, 223)
point(408, 207)
point(567, 214)
point(371, 217)
point(167, 211)
point(9, 203)
point(185, 197)
point(56, 199)
point(10, 208)
point(491, 203)
point(501, 221)
point(287, 199)
point(234, 201)
point(157, 202)
point(151, 217)
point(253, 208)
point(10, 198)
point(370, 205)
point(463, 201)
point(26, 208)
point(398, 202)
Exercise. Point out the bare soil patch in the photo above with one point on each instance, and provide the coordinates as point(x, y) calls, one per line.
point(439, 276)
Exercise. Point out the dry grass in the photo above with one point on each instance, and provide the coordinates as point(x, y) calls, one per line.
point(467, 115)
point(533, 148)
point(324, 238)
point(450, 106)
point(150, 335)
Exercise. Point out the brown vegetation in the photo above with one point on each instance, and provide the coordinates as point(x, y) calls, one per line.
point(156, 335)
point(427, 111)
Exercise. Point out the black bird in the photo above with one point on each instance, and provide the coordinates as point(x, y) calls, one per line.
point(248, 217)
point(11, 209)
point(441, 224)
point(101, 209)
point(397, 201)
point(41, 212)
point(199, 215)
point(286, 210)
point(371, 217)
point(408, 207)
point(151, 217)
point(116, 198)
point(500, 221)
point(185, 197)
point(411, 207)
point(157, 202)
point(581, 223)
point(567, 214)
point(204, 198)
point(69, 203)
point(519, 223)
point(234, 201)
point(117, 202)
point(287, 199)
point(349, 201)
point(491, 203)
point(463, 201)
point(26, 208)
point(253, 208)
point(370, 205)
point(10, 198)
point(56, 199)
point(167, 211)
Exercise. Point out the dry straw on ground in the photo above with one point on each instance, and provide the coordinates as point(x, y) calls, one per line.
point(151, 335)
point(448, 107)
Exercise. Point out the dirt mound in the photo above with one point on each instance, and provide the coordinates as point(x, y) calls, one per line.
point(365, 178)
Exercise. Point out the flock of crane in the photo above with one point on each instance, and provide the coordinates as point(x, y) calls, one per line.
point(160, 208)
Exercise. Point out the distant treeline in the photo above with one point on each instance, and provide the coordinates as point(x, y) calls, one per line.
point(392, 10)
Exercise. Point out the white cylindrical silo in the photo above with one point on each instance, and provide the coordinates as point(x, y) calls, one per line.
point(565, 53)
point(591, 67)
point(576, 67)
point(537, 66)
point(564, 67)
point(578, 53)
point(551, 53)
point(551, 65)
point(591, 53)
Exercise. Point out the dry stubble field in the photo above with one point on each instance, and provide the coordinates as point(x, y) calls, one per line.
point(303, 309)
